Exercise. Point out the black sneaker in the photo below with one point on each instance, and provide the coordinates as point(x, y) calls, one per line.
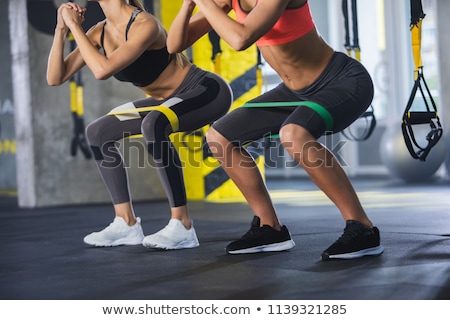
point(356, 241)
point(262, 239)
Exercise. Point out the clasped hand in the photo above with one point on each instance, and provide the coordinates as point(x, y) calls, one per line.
point(70, 13)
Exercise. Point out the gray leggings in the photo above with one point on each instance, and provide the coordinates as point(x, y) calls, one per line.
point(201, 99)
point(343, 92)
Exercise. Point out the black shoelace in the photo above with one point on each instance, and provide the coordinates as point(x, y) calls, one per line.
point(349, 234)
point(252, 232)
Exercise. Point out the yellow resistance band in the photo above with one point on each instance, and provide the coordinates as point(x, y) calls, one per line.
point(170, 115)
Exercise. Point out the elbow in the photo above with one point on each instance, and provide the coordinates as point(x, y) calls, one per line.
point(174, 46)
point(101, 75)
point(240, 44)
point(239, 47)
point(53, 82)
point(172, 49)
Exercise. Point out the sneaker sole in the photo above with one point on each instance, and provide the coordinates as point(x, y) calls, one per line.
point(183, 245)
point(121, 242)
point(274, 247)
point(375, 251)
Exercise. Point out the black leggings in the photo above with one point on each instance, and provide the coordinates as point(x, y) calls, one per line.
point(202, 98)
point(342, 93)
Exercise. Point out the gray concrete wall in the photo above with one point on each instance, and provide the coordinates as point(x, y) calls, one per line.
point(47, 174)
point(7, 135)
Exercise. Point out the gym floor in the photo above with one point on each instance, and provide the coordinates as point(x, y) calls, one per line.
point(43, 255)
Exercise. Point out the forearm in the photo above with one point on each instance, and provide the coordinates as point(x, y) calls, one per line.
point(56, 66)
point(229, 30)
point(177, 39)
point(91, 56)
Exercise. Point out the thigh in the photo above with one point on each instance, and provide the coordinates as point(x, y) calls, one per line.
point(203, 103)
point(343, 92)
point(115, 127)
point(247, 123)
point(202, 98)
point(346, 100)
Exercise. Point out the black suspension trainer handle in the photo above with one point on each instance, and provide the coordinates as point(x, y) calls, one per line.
point(368, 115)
point(429, 115)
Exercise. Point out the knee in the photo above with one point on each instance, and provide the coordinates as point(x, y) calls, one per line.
point(294, 134)
point(93, 132)
point(212, 136)
point(302, 146)
point(216, 142)
point(148, 128)
point(297, 141)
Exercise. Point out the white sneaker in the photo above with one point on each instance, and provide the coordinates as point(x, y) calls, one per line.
point(172, 236)
point(116, 234)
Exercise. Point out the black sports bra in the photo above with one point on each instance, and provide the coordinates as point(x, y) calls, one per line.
point(145, 69)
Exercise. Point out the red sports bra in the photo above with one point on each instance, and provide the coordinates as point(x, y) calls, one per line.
point(293, 24)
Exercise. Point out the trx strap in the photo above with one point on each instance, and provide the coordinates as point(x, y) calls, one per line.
point(214, 38)
point(77, 110)
point(166, 111)
point(355, 46)
point(369, 114)
point(428, 116)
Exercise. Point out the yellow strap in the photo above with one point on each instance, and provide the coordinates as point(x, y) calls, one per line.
point(217, 63)
point(416, 41)
point(80, 106)
point(259, 79)
point(169, 113)
point(73, 96)
point(358, 54)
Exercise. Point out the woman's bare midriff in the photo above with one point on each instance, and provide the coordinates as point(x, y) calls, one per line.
point(300, 62)
point(168, 81)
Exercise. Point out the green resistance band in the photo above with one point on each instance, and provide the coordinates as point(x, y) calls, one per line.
point(323, 113)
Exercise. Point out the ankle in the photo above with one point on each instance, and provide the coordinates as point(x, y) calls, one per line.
point(187, 223)
point(367, 224)
point(131, 221)
point(274, 224)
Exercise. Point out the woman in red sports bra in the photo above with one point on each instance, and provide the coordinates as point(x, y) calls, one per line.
point(322, 92)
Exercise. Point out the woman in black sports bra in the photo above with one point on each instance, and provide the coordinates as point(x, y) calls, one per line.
point(130, 45)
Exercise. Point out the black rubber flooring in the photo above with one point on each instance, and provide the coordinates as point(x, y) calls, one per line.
point(43, 256)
